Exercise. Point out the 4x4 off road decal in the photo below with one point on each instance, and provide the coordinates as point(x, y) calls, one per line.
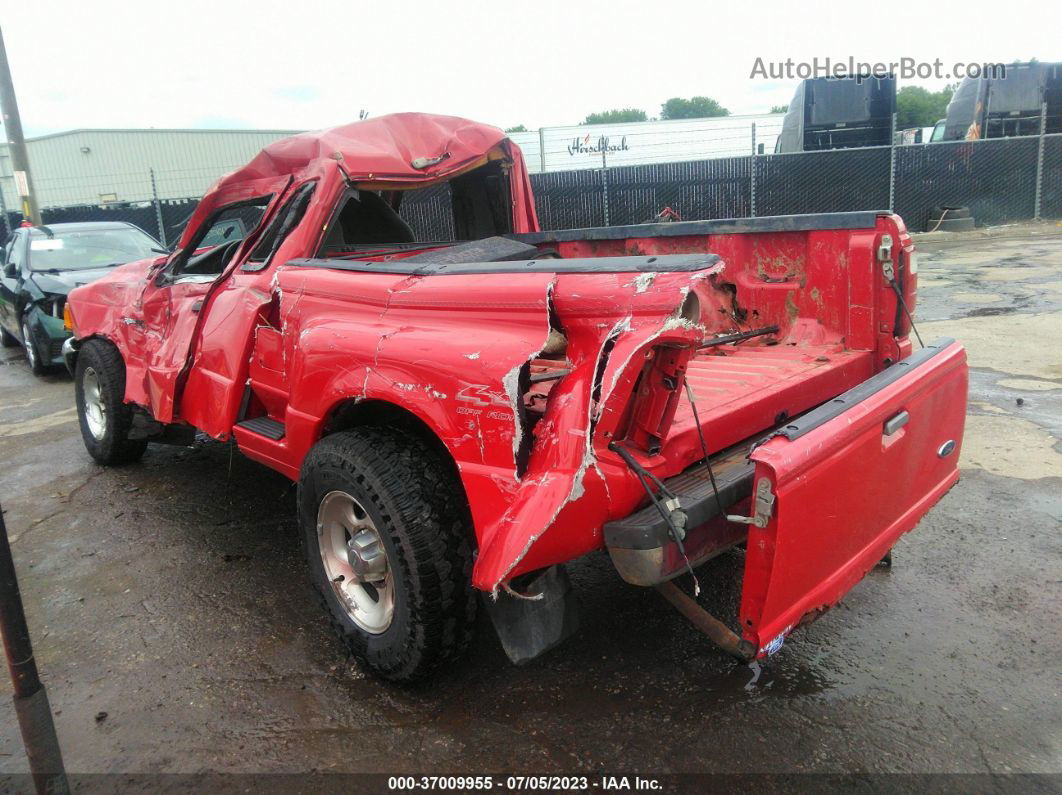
point(482, 395)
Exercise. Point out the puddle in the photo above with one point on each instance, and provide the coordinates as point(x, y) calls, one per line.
point(990, 311)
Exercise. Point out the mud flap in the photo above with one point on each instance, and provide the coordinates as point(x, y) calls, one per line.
point(547, 614)
point(839, 486)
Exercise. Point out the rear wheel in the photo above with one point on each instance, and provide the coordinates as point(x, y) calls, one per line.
point(387, 547)
point(104, 416)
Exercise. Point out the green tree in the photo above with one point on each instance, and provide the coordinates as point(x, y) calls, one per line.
point(780, 108)
point(517, 128)
point(919, 107)
point(693, 108)
point(615, 116)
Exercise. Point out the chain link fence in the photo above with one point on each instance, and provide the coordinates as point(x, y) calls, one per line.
point(996, 179)
point(826, 181)
point(1000, 180)
point(158, 202)
point(1051, 178)
point(428, 212)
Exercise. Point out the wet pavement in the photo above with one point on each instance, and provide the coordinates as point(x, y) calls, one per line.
point(177, 632)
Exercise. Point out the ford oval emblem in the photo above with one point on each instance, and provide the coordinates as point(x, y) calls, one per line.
point(946, 449)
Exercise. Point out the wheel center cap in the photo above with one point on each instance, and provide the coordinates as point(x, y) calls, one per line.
point(366, 557)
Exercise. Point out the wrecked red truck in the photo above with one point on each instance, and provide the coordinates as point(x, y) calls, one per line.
point(470, 414)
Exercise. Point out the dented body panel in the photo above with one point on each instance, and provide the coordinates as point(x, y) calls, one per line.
point(824, 475)
point(529, 372)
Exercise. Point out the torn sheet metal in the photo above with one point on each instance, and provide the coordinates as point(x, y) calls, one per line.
point(608, 322)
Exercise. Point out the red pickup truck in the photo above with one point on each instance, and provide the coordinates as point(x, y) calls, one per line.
point(470, 413)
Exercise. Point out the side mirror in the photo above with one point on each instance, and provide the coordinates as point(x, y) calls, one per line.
point(10, 270)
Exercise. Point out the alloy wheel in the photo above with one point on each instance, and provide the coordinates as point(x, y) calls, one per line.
point(355, 561)
point(95, 408)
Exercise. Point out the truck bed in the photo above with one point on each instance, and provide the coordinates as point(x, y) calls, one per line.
point(741, 390)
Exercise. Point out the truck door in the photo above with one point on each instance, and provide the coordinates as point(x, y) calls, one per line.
point(235, 337)
point(172, 301)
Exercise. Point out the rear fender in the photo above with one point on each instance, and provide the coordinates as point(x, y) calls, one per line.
point(456, 351)
point(377, 339)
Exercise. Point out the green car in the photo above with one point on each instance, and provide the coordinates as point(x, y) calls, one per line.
point(42, 264)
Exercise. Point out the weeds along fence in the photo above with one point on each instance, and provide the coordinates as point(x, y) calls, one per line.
point(1001, 181)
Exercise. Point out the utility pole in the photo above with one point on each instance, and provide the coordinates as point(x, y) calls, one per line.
point(16, 143)
point(31, 701)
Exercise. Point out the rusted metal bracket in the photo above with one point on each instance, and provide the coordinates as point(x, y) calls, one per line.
point(763, 504)
point(718, 632)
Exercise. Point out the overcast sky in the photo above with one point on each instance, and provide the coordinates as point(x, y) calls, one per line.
point(312, 64)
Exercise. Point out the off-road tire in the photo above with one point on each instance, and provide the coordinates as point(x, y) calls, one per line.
point(7, 340)
point(115, 447)
point(417, 505)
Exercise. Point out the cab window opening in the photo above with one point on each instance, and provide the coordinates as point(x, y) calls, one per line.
point(471, 206)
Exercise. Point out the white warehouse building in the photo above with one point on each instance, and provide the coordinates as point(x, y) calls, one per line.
point(105, 167)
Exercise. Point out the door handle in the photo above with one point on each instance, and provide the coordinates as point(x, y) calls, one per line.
point(895, 422)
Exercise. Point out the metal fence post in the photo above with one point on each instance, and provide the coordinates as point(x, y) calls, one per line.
point(752, 175)
point(604, 184)
point(1040, 162)
point(542, 149)
point(158, 208)
point(892, 163)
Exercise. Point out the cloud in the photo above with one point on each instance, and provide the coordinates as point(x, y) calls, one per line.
point(297, 93)
point(87, 71)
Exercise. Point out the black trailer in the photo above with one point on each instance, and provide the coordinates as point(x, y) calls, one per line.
point(839, 113)
point(1001, 106)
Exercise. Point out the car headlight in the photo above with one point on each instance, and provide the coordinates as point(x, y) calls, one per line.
point(53, 305)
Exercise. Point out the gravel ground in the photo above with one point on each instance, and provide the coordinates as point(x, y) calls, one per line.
point(171, 595)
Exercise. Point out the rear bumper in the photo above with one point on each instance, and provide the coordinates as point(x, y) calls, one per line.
point(641, 546)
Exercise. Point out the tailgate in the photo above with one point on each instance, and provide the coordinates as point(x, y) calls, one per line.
point(847, 480)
